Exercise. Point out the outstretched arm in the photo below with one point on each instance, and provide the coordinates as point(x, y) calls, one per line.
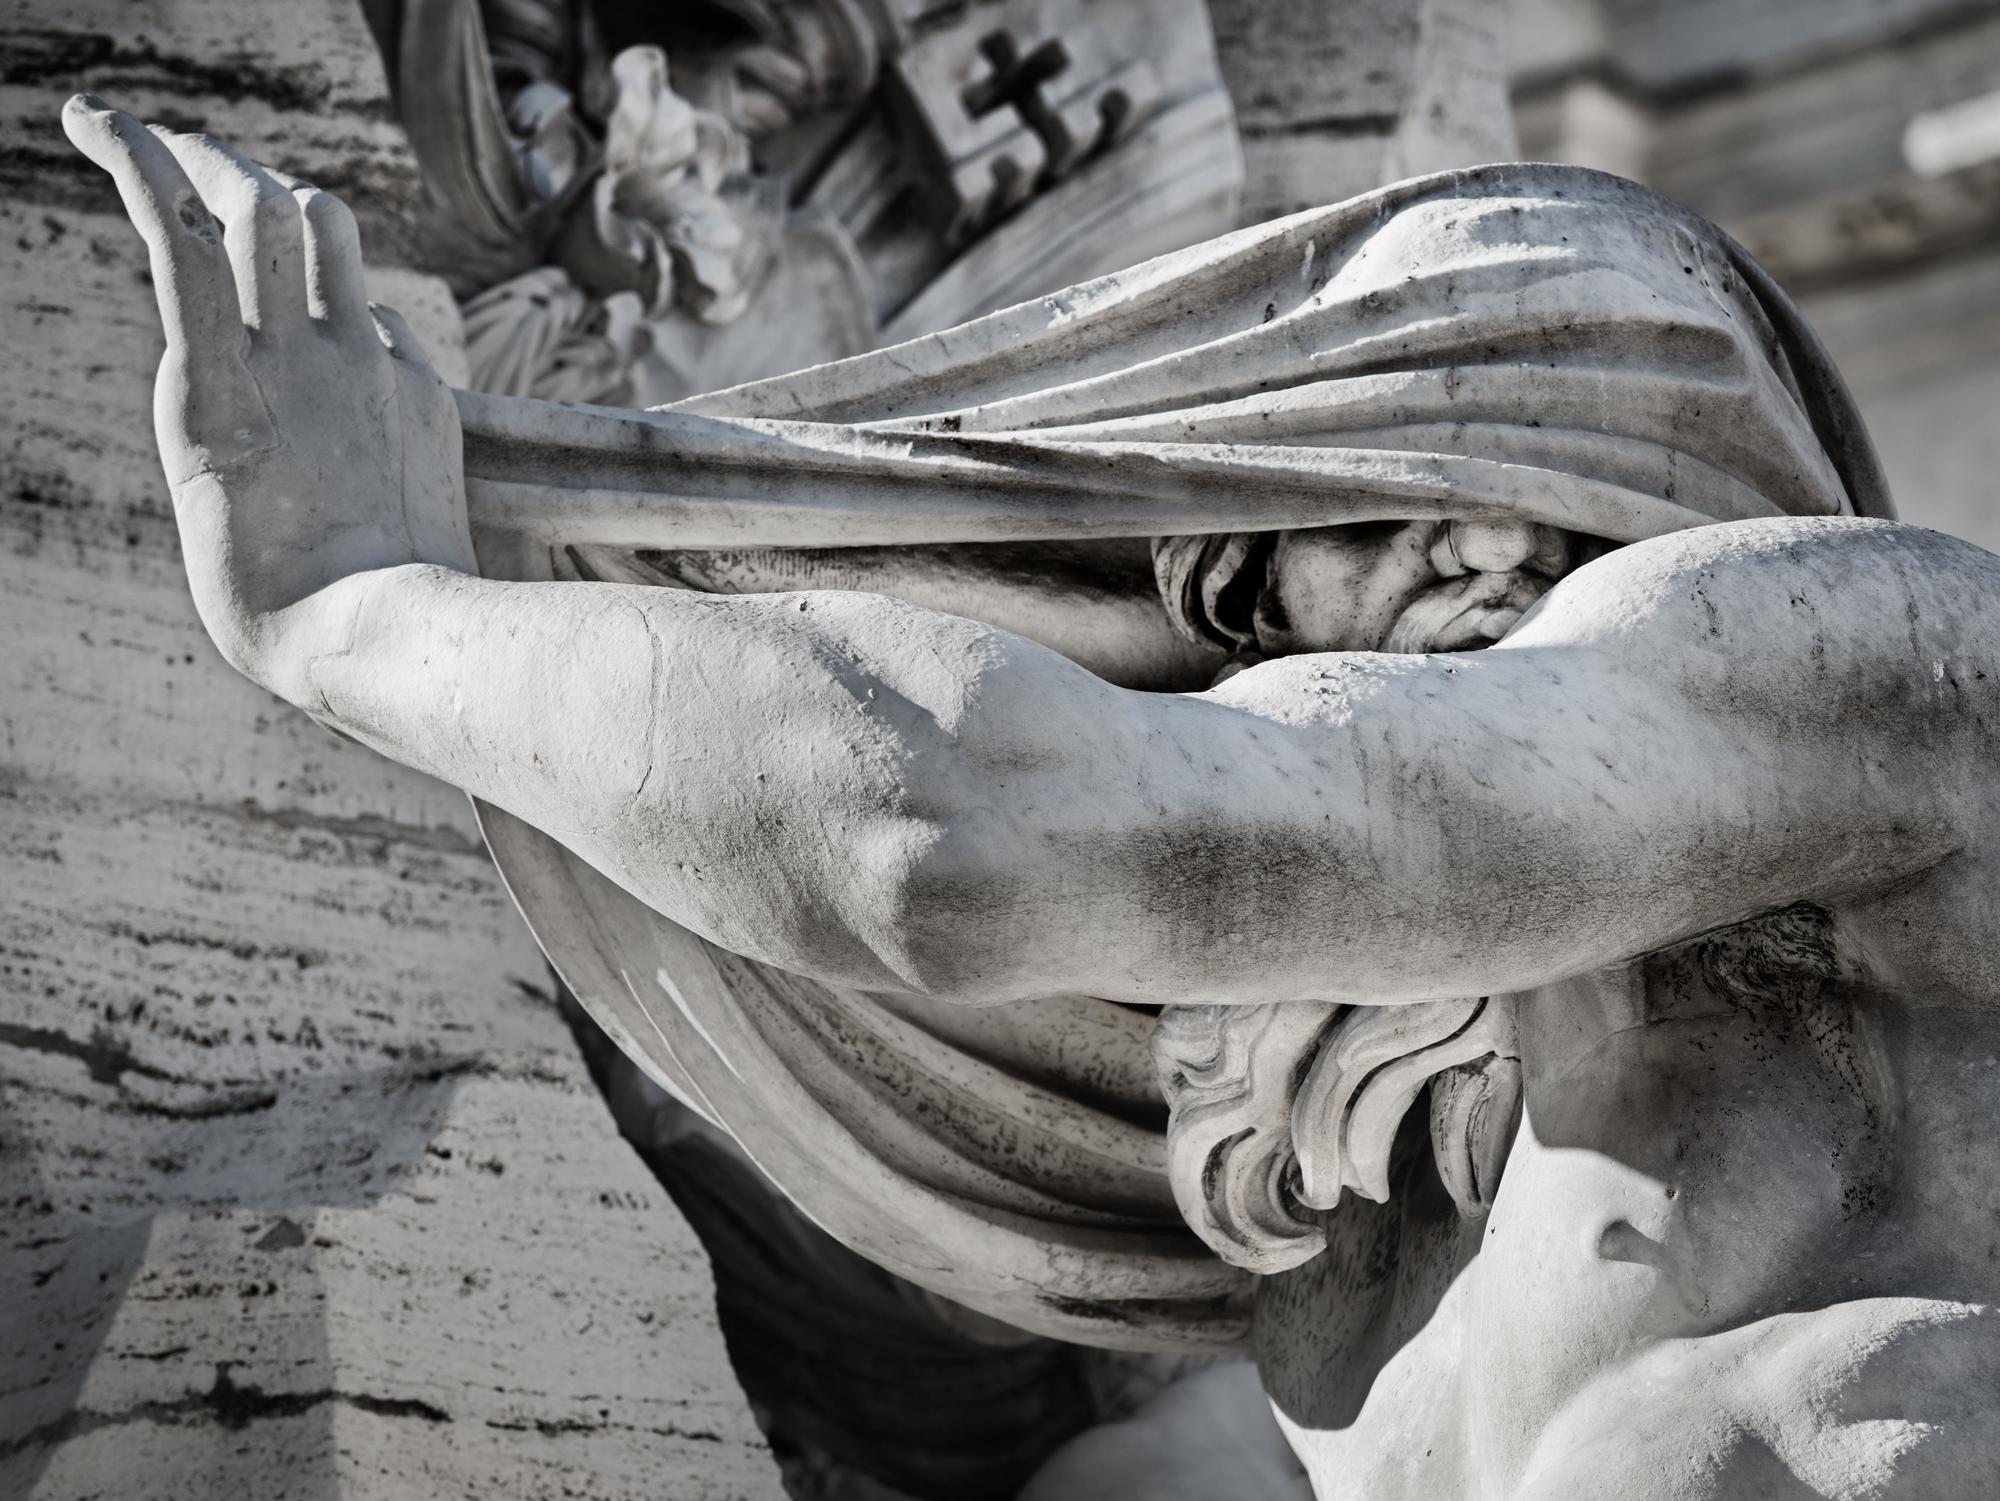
point(1687, 732)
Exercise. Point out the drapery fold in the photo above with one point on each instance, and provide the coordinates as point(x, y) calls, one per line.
point(1533, 341)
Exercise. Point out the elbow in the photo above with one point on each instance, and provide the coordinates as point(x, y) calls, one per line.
point(956, 926)
point(989, 889)
point(867, 894)
point(949, 893)
point(910, 822)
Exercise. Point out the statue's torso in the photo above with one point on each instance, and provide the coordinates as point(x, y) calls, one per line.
point(1712, 1137)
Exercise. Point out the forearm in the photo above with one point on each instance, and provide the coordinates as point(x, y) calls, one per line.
point(453, 675)
point(739, 764)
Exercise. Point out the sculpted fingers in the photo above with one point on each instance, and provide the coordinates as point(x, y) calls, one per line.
point(335, 288)
point(191, 271)
point(264, 232)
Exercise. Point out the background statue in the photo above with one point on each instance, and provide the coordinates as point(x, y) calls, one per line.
point(1699, 840)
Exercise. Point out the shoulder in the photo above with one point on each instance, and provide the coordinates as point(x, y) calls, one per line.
point(1800, 619)
point(1898, 1392)
point(1750, 575)
point(1805, 621)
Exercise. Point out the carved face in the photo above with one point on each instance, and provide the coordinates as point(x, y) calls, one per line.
point(1404, 586)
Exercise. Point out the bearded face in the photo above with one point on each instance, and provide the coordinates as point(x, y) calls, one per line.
point(1396, 586)
point(1415, 586)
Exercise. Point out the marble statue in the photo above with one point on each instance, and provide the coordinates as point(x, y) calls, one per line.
point(1494, 917)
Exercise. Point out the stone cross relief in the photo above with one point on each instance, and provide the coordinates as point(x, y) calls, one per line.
point(1539, 844)
point(1026, 118)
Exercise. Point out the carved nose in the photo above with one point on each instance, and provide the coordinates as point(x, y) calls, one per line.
point(1493, 546)
point(1498, 547)
point(1621, 1240)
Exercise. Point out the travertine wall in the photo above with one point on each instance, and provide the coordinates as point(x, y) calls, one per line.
point(304, 1190)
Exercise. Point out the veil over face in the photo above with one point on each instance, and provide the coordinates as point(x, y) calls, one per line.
point(1514, 342)
point(1511, 342)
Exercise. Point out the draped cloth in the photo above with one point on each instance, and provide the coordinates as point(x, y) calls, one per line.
point(1538, 342)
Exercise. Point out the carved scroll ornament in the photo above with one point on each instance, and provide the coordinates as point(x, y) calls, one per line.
point(1279, 1110)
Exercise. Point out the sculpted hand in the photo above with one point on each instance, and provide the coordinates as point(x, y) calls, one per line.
point(303, 433)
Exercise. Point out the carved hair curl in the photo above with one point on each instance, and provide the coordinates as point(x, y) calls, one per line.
point(1210, 585)
point(1278, 1110)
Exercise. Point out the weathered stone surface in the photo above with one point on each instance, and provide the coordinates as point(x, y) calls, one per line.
point(1676, 905)
point(1335, 100)
point(307, 1191)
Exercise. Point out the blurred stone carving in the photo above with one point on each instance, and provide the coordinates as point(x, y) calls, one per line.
point(668, 215)
point(1338, 99)
point(539, 334)
point(917, 163)
point(999, 103)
